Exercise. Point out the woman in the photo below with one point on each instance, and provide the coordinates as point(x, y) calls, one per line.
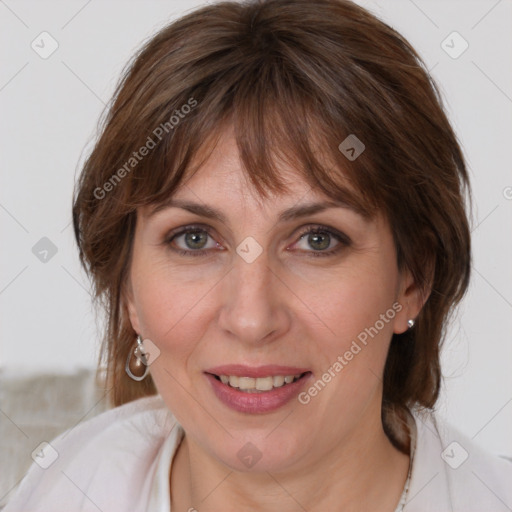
point(273, 217)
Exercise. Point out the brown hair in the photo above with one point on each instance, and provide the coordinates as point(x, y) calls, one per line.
point(294, 78)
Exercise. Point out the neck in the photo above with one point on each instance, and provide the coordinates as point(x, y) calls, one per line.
point(364, 472)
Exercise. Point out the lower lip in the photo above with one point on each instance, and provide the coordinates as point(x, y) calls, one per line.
point(260, 402)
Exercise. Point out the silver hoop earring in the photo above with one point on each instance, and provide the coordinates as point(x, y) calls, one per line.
point(137, 366)
point(410, 323)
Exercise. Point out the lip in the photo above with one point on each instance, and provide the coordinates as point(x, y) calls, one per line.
point(269, 370)
point(256, 403)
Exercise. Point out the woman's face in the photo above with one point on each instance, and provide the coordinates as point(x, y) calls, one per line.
point(251, 298)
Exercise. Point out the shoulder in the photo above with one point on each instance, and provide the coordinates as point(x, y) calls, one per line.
point(451, 472)
point(86, 466)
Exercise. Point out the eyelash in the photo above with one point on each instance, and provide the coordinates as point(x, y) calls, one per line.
point(344, 240)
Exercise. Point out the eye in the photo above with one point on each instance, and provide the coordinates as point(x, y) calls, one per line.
point(323, 241)
point(198, 241)
point(192, 241)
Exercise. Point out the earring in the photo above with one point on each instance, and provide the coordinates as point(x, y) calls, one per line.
point(137, 366)
point(410, 323)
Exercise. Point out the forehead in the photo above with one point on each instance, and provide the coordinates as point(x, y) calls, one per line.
point(218, 187)
point(224, 174)
point(222, 178)
point(219, 177)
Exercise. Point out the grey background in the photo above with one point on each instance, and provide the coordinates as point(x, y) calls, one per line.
point(49, 111)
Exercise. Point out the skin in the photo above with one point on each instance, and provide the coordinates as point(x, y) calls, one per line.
point(287, 307)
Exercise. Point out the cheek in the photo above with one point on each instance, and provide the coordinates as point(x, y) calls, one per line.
point(174, 312)
point(353, 300)
point(175, 309)
point(355, 313)
point(166, 300)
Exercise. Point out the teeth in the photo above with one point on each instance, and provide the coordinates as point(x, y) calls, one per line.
point(246, 383)
point(253, 385)
point(264, 384)
point(278, 381)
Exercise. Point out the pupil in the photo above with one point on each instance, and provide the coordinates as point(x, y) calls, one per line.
point(195, 239)
point(319, 241)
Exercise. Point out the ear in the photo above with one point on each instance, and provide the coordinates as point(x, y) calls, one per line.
point(412, 297)
point(129, 303)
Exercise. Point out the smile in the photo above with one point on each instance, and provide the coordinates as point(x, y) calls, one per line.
point(256, 390)
point(260, 384)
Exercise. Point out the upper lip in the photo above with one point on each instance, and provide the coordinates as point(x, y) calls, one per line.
point(269, 370)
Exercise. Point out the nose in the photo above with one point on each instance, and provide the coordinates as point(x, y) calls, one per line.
point(254, 303)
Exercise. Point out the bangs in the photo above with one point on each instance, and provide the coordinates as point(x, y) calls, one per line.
point(281, 127)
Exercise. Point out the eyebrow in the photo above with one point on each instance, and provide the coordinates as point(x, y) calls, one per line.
point(295, 212)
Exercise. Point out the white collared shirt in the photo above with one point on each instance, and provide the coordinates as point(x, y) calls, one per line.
point(120, 461)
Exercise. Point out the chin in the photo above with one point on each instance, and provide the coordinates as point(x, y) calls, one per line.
point(261, 451)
